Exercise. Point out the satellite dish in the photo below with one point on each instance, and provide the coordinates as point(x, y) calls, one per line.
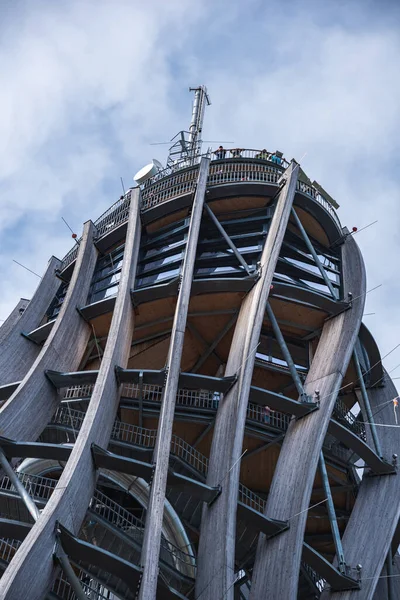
point(148, 171)
point(158, 164)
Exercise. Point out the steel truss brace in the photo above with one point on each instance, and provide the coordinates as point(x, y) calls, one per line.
point(286, 354)
point(211, 348)
point(324, 474)
point(313, 253)
point(61, 557)
point(228, 240)
point(332, 514)
point(11, 474)
point(367, 406)
point(207, 351)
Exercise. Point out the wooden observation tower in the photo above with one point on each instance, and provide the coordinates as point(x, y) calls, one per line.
point(189, 400)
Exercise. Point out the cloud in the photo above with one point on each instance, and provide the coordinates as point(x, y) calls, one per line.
point(86, 86)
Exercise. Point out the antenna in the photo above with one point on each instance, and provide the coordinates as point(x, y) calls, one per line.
point(187, 144)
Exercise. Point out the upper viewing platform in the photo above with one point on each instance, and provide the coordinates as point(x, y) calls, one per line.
point(234, 172)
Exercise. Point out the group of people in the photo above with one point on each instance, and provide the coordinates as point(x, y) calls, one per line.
point(276, 157)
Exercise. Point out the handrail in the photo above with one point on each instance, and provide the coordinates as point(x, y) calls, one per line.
point(8, 548)
point(250, 166)
point(42, 487)
point(206, 400)
point(349, 420)
point(140, 436)
point(61, 587)
point(121, 518)
point(318, 581)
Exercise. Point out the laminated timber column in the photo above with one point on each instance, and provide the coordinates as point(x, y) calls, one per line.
point(155, 510)
point(12, 318)
point(376, 513)
point(277, 564)
point(216, 556)
point(29, 409)
point(68, 504)
point(16, 352)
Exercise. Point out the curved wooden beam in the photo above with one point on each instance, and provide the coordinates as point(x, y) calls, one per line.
point(12, 318)
point(373, 520)
point(376, 370)
point(277, 565)
point(70, 499)
point(359, 447)
point(16, 352)
point(155, 511)
point(35, 398)
point(216, 557)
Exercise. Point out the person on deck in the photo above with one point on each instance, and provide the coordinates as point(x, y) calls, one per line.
point(262, 155)
point(236, 152)
point(220, 153)
point(277, 158)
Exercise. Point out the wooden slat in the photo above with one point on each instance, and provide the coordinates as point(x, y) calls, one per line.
point(277, 565)
point(155, 511)
point(36, 398)
point(216, 568)
point(16, 352)
point(70, 499)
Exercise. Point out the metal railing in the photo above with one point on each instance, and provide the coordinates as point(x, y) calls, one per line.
point(8, 548)
point(37, 487)
point(114, 216)
point(146, 438)
point(349, 420)
point(247, 166)
point(61, 587)
point(122, 519)
point(42, 487)
point(236, 171)
point(71, 256)
point(316, 579)
point(91, 586)
point(198, 399)
point(207, 400)
point(172, 186)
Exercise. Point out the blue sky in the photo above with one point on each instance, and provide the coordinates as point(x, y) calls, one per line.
point(87, 86)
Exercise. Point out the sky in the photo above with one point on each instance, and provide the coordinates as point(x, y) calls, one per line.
point(88, 86)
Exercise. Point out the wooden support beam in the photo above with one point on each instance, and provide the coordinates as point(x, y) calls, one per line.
point(215, 575)
point(17, 353)
point(375, 515)
point(363, 450)
point(35, 397)
point(8, 324)
point(155, 511)
point(277, 564)
point(70, 499)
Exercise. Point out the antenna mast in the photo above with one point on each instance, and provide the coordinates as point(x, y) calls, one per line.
point(187, 144)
